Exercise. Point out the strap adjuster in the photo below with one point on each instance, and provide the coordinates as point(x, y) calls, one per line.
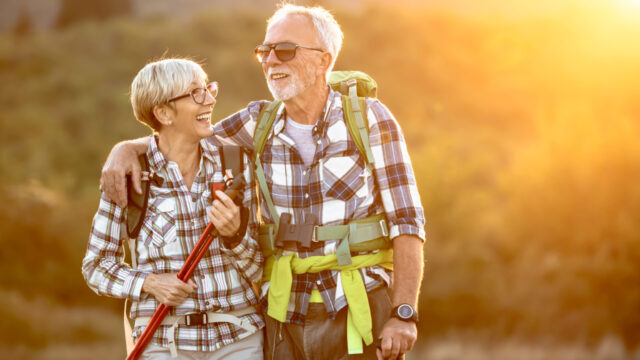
point(196, 319)
point(383, 227)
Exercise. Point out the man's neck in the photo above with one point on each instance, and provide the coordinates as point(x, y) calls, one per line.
point(307, 107)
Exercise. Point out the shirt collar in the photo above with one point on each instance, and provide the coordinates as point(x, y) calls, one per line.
point(157, 161)
point(333, 102)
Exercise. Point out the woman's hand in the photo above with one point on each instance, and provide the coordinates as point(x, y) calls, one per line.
point(168, 289)
point(224, 215)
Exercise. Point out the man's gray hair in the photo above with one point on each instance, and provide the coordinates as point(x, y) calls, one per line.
point(326, 25)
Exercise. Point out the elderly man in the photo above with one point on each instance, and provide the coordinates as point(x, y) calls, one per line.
point(311, 173)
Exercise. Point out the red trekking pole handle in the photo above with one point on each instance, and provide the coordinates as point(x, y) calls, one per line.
point(186, 271)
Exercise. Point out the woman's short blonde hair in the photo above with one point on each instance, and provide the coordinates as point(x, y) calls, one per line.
point(158, 82)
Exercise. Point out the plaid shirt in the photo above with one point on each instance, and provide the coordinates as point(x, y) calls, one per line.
point(174, 221)
point(337, 187)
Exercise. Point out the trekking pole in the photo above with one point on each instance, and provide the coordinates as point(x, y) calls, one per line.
point(185, 273)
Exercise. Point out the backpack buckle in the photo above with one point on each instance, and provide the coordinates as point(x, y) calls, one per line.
point(296, 236)
point(196, 319)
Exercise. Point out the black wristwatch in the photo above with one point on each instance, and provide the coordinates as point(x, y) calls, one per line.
point(405, 312)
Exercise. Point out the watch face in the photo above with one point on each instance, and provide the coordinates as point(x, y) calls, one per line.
point(405, 311)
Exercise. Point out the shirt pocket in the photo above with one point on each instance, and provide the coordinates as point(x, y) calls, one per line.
point(343, 174)
point(160, 223)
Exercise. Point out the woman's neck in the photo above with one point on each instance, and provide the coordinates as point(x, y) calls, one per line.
point(184, 152)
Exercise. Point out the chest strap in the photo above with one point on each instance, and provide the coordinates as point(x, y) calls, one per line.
point(366, 234)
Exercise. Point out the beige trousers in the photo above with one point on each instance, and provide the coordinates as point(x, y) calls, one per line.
point(249, 348)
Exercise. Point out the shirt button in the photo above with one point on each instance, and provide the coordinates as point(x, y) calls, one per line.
point(202, 277)
point(306, 195)
point(304, 172)
point(206, 303)
point(318, 142)
point(318, 282)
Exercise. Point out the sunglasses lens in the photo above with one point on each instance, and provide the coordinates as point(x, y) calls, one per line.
point(262, 51)
point(285, 51)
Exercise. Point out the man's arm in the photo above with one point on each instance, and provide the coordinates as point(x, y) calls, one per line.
point(402, 204)
point(399, 336)
point(123, 160)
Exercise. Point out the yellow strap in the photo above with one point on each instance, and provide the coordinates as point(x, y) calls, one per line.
point(280, 274)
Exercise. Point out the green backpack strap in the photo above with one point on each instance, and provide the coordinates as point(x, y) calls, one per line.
point(263, 128)
point(355, 114)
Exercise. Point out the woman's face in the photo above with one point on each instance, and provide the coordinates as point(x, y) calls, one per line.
point(192, 120)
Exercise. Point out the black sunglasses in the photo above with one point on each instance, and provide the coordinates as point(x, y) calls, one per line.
point(284, 51)
point(199, 95)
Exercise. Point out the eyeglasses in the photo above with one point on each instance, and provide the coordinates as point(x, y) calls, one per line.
point(284, 51)
point(199, 95)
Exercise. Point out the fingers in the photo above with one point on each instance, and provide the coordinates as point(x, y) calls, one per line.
point(379, 354)
point(120, 189)
point(386, 346)
point(228, 202)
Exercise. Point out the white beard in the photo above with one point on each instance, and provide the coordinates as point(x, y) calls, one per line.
point(296, 85)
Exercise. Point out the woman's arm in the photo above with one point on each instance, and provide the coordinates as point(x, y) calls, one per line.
point(102, 267)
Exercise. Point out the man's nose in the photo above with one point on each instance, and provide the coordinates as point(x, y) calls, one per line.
point(271, 58)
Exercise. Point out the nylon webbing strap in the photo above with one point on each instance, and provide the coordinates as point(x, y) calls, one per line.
point(357, 113)
point(367, 229)
point(262, 181)
point(265, 122)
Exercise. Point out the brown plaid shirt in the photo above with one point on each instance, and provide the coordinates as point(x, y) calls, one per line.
point(174, 221)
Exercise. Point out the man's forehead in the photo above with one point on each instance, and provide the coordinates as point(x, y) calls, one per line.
point(293, 28)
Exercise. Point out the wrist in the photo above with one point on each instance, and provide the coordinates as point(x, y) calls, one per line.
point(235, 239)
point(405, 312)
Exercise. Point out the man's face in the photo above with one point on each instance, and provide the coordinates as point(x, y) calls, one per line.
point(288, 79)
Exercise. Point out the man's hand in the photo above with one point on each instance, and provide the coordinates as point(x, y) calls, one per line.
point(224, 215)
point(397, 337)
point(168, 289)
point(122, 160)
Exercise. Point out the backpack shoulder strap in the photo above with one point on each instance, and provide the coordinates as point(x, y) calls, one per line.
point(355, 113)
point(137, 203)
point(232, 160)
point(263, 128)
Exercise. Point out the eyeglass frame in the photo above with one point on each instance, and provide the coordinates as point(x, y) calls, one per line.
point(190, 93)
point(272, 47)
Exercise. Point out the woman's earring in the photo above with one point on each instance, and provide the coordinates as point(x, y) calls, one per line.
point(170, 122)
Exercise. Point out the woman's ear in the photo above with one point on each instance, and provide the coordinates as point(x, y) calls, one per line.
point(162, 114)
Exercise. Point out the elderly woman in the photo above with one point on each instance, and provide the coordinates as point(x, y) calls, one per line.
point(213, 314)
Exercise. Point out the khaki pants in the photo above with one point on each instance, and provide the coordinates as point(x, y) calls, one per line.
point(249, 348)
point(321, 337)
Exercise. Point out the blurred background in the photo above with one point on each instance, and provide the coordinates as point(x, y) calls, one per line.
point(522, 120)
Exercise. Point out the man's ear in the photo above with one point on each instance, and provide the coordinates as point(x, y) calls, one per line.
point(325, 62)
point(162, 114)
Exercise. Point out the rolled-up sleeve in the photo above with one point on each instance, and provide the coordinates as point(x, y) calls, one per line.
point(394, 173)
point(103, 267)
